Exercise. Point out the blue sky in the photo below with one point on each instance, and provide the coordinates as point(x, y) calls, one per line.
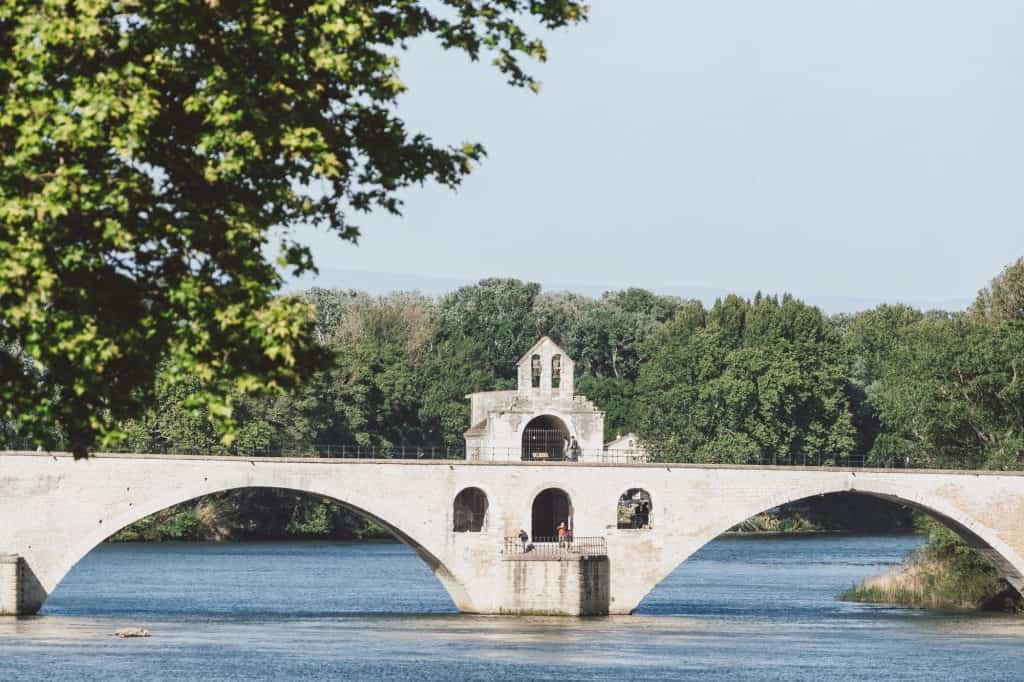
point(849, 152)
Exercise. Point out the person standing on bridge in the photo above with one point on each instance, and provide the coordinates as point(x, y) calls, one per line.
point(644, 514)
point(563, 535)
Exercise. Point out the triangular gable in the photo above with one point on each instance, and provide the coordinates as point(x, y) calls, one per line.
point(535, 347)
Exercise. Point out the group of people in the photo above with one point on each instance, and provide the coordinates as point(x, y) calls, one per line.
point(642, 514)
point(564, 537)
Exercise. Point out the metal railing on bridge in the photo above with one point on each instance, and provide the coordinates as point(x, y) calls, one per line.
point(327, 450)
point(516, 454)
point(543, 548)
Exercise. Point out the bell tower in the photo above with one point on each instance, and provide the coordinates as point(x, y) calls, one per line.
point(546, 372)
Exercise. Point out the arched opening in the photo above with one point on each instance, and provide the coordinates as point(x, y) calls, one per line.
point(857, 546)
point(128, 551)
point(634, 510)
point(545, 438)
point(469, 511)
point(551, 508)
point(556, 371)
point(535, 370)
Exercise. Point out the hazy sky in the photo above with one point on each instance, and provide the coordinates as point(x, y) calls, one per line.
point(859, 149)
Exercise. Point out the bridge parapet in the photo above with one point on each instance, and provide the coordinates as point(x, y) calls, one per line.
point(426, 453)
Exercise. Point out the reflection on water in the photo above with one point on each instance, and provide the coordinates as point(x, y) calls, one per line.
point(740, 609)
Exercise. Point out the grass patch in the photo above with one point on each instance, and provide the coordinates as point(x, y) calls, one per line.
point(943, 574)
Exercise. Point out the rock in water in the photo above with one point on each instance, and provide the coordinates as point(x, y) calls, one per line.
point(132, 632)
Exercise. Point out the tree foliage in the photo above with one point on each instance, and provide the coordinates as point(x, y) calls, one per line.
point(869, 339)
point(951, 394)
point(750, 380)
point(400, 366)
point(1003, 299)
point(496, 313)
point(152, 150)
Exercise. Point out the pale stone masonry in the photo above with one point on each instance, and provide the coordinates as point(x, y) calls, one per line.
point(54, 510)
point(9, 584)
point(573, 586)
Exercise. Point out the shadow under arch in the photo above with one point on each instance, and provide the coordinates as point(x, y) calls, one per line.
point(985, 540)
point(39, 593)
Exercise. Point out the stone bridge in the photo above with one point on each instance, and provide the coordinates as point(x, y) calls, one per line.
point(54, 510)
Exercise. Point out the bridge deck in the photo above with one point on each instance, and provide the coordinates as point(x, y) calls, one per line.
point(530, 464)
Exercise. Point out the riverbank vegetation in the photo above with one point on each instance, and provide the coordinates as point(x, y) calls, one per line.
point(942, 574)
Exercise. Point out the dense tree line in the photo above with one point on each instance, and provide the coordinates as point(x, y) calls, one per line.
point(401, 366)
point(764, 379)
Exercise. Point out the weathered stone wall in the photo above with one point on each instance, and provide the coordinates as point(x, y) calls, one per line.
point(9, 584)
point(54, 509)
point(570, 586)
point(481, 404)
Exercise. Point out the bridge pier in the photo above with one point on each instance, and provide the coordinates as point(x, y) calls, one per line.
point(568, 586)
point(10, 585)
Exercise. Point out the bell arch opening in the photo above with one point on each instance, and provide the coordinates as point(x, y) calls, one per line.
point(545, 438)
point(552, 508)
point(634, 510)
point(469, 511)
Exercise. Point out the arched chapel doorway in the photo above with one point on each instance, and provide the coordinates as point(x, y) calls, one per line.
point(545, 438)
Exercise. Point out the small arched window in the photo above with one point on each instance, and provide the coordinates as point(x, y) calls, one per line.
point(469, 511)
point(635, 509)
point(556, 371)
point(535, 371)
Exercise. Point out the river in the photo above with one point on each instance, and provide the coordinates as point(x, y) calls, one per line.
point(742, 608)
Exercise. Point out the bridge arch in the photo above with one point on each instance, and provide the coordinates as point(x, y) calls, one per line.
point(979, 536)
point(377, 511)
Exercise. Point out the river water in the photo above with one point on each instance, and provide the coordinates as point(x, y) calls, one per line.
point(740, 609)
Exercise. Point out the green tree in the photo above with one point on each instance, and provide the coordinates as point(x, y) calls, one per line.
point(618, 399)
point(496, 313)
point(951, 394)
point(454, 369)
point(869, 339)
point(372, 392)
point(1003, 298)
point(751, 379)
point(606, 336)
point(150, 150)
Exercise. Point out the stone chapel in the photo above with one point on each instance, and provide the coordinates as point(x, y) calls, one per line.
point(542, 419)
